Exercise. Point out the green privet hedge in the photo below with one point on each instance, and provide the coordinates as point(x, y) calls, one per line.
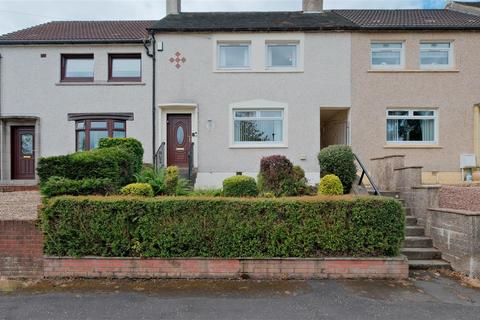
point(330, 185)
point(240, 186)
point(130, 144)
point(340, 161)
point(222, 227)
point(118, 163)
point(56, 186)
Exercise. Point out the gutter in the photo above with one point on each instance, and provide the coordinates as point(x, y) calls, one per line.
point(152, 55)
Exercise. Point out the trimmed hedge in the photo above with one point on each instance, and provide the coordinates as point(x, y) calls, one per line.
point(340, 161)
point(56, 186)
point(222, 227)
point(138, 189)
point(132, 145)
point(119, 164)
point(240, 186)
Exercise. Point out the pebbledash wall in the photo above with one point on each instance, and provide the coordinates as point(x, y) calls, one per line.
point(31, 87)
point(322, 79)
point(453, 93)
point(21, 256)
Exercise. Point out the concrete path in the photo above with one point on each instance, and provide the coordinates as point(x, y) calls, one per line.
point(19, 205)
point(427, 297)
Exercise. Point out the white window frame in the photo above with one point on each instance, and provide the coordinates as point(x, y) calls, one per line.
point(221, 44)
point(450, 51)
point(268, 60)
point(388, 67)
point(258, 105)
point(410, 116)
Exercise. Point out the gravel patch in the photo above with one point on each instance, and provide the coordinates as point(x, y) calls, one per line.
point(460, 197)
point(19, 205)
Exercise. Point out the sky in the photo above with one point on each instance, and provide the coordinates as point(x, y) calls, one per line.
point(19, 14)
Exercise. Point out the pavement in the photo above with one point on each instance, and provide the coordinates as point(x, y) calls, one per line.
point(426, 296)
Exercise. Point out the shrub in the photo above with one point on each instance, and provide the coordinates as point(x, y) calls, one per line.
point(56, 186)
point(116, 164)
point(138, 189)
point(276, 176)
point(172, 176)
point(240, 186)
point(206, 193)
point(154, 177)
point(222, 227)
point(132, 145)
point(330, 185)
point(340, 161)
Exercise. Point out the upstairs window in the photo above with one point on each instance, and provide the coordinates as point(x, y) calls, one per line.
point(233, 56)
point(263, 126)
point(282, 55)
point(411, 126)
point(387, 55)
point(89, 132)
point(125, 67)
point(77, 67)
point(435, 55)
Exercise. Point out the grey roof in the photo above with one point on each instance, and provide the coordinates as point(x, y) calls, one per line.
point(471, 4)
point(420, 19)
point(252, 21)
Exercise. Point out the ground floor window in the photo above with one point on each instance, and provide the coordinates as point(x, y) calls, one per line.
point(411, 126)
point(89, 132)
point(258, 126)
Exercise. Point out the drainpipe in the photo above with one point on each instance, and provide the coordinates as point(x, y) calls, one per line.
point(152, 55)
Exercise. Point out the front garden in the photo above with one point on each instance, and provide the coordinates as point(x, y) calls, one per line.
point(104, 202)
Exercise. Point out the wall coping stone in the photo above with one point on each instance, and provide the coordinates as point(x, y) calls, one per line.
point(428, 186)
point(409, 167)
point(455, 211)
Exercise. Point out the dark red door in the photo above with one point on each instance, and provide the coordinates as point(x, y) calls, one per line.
point(179, 136)
point(23, 153)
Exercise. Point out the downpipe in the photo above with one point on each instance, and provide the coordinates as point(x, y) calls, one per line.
point(152, 54)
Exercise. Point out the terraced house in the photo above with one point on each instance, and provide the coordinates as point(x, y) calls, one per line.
point(215, 92)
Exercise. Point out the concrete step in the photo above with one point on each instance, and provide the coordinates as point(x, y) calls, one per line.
point(428, 264)
point(414, 231)
point(418, 242)
point(411, 221)
point(421, 253)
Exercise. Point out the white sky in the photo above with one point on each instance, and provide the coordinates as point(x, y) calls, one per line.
point(19, 14)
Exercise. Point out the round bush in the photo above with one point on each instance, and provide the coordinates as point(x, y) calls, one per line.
point(277, 176)
point(330, 185)
point(240, 186)
point(138, 189)
point(340, 161)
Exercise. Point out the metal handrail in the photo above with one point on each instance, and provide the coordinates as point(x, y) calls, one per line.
point(159, 157)
point(365, 173)
point(190, 161)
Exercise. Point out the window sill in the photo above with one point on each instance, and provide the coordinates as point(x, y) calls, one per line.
point(412, 146)
point(259, 146)
point(413, 71)
point(258, 71)
point(100, 83)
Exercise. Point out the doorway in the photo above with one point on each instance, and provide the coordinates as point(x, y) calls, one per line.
point(334, 126)
point(23, 152)
point(179, 138)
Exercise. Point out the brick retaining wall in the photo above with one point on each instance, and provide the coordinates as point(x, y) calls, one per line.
point(21, 250)
point(321, 268)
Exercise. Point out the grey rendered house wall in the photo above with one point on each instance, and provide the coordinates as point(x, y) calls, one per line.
point(324, 81)
point(31, 87)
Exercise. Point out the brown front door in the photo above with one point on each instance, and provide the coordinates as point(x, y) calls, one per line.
point(179, 136)
point(23, 153)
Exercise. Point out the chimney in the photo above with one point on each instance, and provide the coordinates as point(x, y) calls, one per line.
point(312, 6)
point(174, 6)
